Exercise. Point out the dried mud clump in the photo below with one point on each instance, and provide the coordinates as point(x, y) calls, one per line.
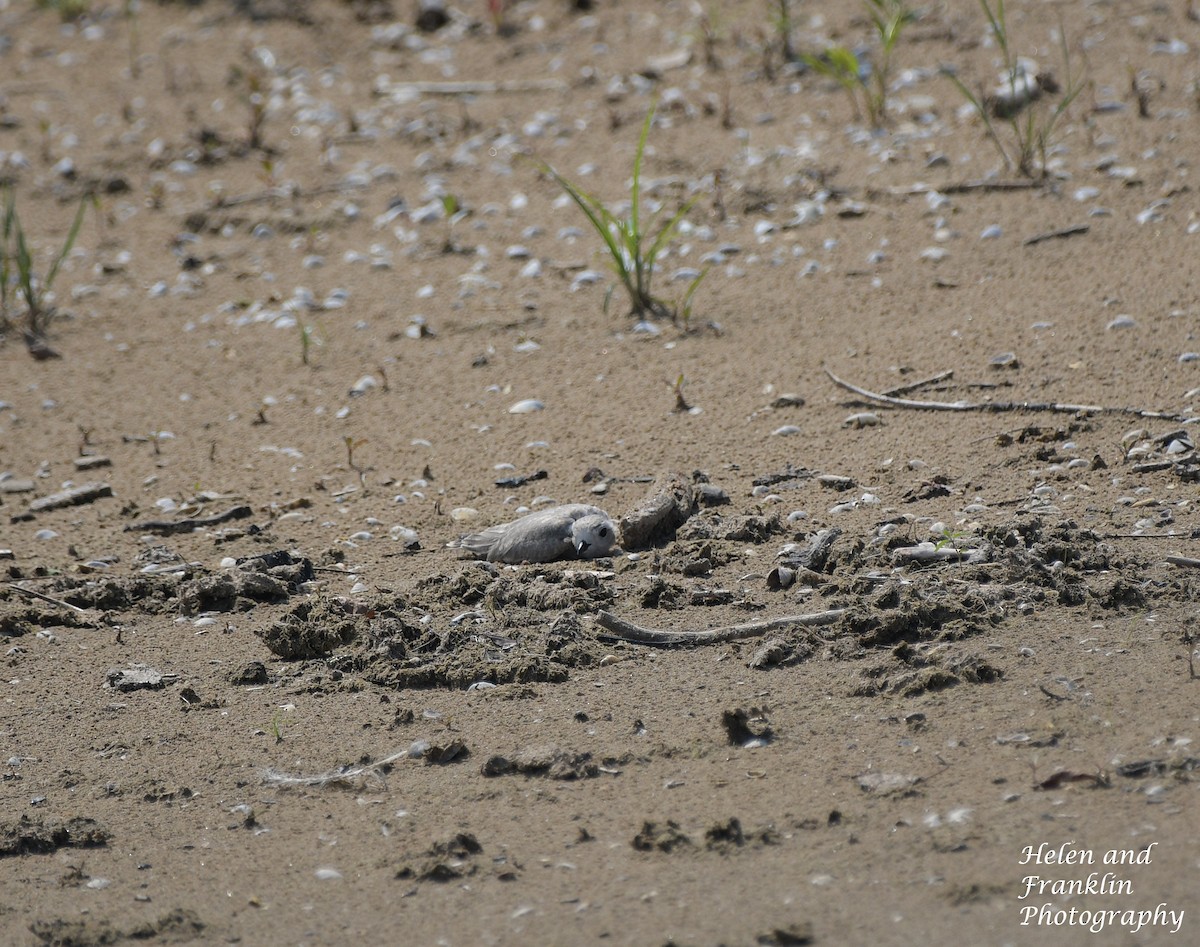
point(550, 762)
point(550, 591)
point(448, 860)
point(566, 643)
point(460, 668)
point(657, 592)
point(227, 593)
point(905, 613)
point(178, 926)
point(667, 837)
point(311, 629)
point(151, 594)
point(34, 836)
point(727, 837)
point(783, 651)
point(733, 529)
point(910, 670)
point(396, 652)
point(272, 577)
point(1073, 565)
point(467, 587)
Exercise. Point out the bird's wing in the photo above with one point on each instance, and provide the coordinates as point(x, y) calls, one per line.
point(481, 544)
point(539, 537)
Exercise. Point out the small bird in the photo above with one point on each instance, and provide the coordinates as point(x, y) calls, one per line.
point(561, 532)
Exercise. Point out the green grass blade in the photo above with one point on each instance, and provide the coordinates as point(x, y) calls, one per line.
point(25, 268)
point(599, 217)
point(981, 110)
point(999, 26)
point(6, 257)
point(633, 234)
point(685, 305)
point(636, 190)
point(669, 230)
point(70, 242)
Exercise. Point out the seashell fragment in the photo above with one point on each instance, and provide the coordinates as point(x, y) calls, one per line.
point(781, 578)
point(862, 419)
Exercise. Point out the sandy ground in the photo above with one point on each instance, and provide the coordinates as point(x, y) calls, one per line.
point(262, 728)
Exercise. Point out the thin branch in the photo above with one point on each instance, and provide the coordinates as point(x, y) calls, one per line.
point(995, 407)
point(1072, 231)
point(924, 382)
point(636, 634)
point(46, 598)
point(167, 527)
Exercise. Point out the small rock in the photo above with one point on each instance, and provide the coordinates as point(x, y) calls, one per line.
point(251, 673)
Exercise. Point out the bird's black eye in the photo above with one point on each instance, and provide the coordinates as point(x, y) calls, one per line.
point(603, 532)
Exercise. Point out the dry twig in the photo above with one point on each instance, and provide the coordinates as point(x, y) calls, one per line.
point(1073, 231)
point(922, 383)
point(167, 527)
point(46, 598)
point(636, 634)
point(994, 407)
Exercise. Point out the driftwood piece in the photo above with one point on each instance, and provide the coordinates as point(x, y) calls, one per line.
point(636, 634)
point(804, 563)
point(666, 507)
point(75, 496)
point(995, 407)
point(815, 553)
point(167, 527)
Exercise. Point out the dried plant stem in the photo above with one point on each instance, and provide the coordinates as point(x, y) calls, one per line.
point(636, 634)
point(999, 406)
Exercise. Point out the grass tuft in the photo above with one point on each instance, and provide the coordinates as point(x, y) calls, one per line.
point(17, 275)
point(867, 87)
point(632, 243)
point(1018, 103)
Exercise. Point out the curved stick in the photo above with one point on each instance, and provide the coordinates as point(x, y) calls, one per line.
point(998, 406)
point(636, 634)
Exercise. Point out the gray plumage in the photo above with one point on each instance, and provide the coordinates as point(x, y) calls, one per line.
point(574, 530)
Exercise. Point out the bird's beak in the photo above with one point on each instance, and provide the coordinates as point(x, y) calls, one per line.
point(582, 546)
